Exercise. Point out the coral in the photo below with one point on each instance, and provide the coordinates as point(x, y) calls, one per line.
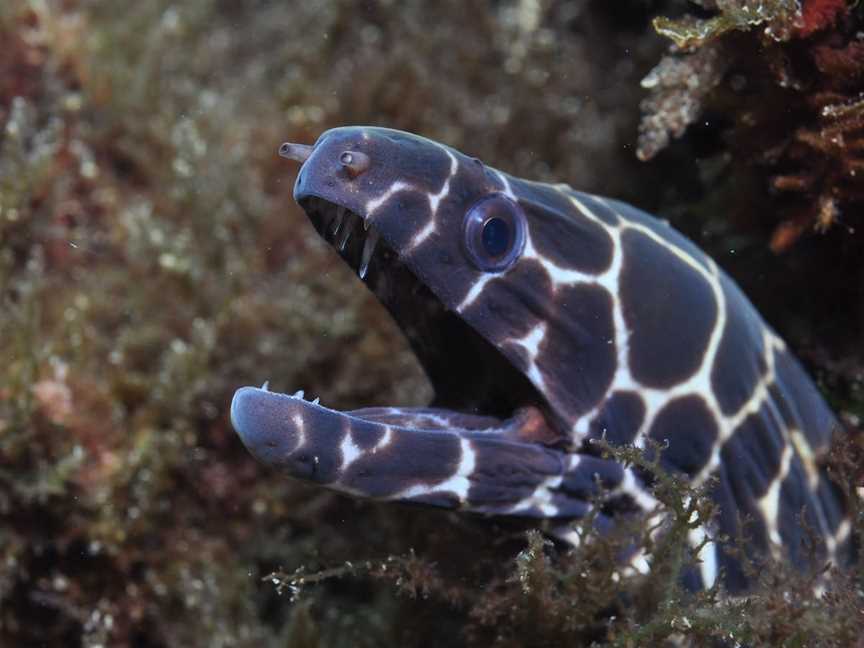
point(678, 87)
point(821, 157)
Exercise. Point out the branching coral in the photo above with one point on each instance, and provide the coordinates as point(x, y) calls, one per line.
point(679, 86)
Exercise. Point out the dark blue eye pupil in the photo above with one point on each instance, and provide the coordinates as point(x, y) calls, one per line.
point(494, 233)
point(496, 236)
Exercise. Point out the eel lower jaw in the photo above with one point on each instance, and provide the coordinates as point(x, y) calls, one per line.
point(427, 455)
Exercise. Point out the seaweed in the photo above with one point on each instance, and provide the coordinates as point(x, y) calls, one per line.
point(586, 596)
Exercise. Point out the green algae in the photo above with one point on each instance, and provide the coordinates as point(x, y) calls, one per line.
point(779, 18)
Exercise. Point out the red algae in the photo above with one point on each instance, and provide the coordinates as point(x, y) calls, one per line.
point(821, 14)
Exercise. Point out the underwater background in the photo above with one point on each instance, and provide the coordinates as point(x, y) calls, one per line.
point(152, 261)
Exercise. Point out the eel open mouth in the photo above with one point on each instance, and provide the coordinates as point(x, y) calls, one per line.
point(468, 373)
point(485, 444)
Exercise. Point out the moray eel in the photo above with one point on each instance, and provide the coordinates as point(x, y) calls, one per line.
point(547, 318)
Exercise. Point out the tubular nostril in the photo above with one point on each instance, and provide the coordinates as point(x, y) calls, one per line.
point(355, 162)
point(297, 152)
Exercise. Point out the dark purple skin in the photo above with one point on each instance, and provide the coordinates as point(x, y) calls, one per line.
point(568, 318)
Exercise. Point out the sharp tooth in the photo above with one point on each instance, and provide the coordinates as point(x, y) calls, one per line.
point(365, 224)
point(317, 400)
point(368, 251)
point(336, 225)
point(298, 394)
point(343, 239)
point(266, 385)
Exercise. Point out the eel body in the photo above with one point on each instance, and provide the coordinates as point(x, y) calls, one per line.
point(547, 318)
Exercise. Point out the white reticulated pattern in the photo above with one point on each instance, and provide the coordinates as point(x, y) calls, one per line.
point(459, 483)
point(697, 537)
point(540, 499)
point(350, 451)
point(728, 424)
point(769, 503)
point(699, 383)
point(300, 426)
point(435, 200)
point(531, 343)
point(373, 204)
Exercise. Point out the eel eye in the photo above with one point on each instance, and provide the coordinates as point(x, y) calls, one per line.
point(494, 233)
